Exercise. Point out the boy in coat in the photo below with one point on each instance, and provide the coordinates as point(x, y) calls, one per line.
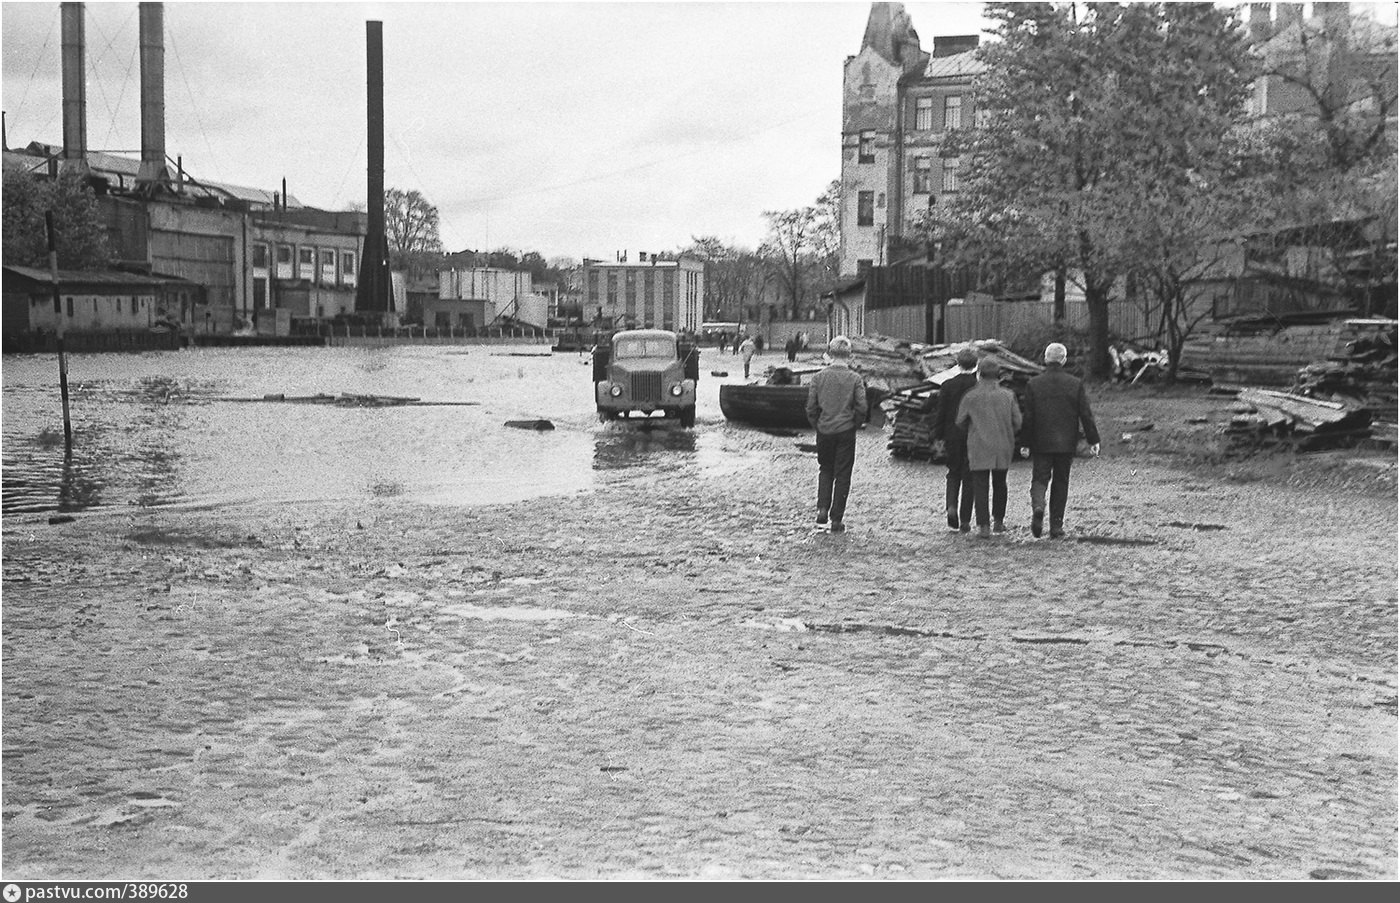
point(1057, 407)
point(991, 416)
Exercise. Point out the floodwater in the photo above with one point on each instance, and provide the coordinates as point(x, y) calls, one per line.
point(189, 428)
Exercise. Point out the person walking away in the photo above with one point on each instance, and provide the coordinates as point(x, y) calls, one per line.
point(991, 416)
point(836, 408)
point(790, 346)
point(957, 493)
point(1057, 408)
point(746, 348)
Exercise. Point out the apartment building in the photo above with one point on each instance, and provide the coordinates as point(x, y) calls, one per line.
point(899, 104)
point(652, 292)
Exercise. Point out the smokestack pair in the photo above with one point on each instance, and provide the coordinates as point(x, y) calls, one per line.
point(75, 148)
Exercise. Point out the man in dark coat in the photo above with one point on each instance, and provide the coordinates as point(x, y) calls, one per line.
point(1056, 409)
point(957, 493)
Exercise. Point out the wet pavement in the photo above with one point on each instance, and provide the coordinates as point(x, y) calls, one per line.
point(684, 678)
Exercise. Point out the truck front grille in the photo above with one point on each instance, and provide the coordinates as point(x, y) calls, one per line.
point(646, 387)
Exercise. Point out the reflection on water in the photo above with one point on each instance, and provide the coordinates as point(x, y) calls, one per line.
point(193, 427)
point(664, 445)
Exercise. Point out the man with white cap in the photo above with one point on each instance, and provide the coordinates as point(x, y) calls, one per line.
point(1057, 409)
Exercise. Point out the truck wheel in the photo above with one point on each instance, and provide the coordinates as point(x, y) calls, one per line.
point(688, 416)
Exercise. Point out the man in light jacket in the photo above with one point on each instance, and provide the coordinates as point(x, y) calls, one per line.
point(1057, 407)
point(836, 408)
point(991, 416)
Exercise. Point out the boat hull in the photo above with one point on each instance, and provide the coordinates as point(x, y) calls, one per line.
point(775, 406)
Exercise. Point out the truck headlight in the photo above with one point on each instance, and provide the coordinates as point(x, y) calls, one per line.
point(677, 389)
point(615, 391)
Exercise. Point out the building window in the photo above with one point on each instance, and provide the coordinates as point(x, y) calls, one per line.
point(922, 167)
point(306, 263)
point(260, 256)
point(70, 307)
point(950, 175)
point(284, 254)
point(923, 114)
point(347, 267)
point(865, 208)
point(981, 117)
point(952, 112)
point(327, 266)
point(867, 147)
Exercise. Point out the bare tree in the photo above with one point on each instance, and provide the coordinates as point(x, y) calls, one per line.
point(410, 223)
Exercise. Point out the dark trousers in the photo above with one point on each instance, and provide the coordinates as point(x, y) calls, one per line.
point(1051, 471)
point(958, 486)
point(982, 480)
point(836, 457)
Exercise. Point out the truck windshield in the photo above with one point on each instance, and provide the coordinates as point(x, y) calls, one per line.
point(654, 347)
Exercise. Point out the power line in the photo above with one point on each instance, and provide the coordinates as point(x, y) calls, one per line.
point(631, 169)
point(194, 106)
point(37, 63)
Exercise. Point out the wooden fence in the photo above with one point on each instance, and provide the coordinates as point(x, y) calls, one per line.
point(1003, 320)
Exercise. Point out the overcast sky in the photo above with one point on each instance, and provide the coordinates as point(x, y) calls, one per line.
point(572, 129)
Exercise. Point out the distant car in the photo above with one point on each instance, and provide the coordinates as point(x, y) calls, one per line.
point(640, 372)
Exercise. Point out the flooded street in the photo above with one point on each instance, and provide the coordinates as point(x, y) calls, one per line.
point(186, 428)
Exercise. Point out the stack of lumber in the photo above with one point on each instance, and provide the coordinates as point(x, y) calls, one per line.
point(1265, 418)
point(913, 412)
point(1361, 374)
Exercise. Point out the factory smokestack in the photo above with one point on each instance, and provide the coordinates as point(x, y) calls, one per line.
point(153, 170)
point(373, 290)
point(74, 88)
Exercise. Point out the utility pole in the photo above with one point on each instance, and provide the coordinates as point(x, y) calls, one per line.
point(58, 313)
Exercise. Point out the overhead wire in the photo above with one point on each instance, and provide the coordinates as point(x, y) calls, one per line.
point(39, 61)
point(126, 80)
point(194, 105)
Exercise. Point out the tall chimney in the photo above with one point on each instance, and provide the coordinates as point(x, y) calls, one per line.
point(153, 169)
point(373, 290)
point(74, 88)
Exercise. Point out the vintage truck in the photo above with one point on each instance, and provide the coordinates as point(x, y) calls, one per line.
point(640, 372)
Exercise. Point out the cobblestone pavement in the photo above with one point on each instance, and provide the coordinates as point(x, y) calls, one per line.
point(688, 680)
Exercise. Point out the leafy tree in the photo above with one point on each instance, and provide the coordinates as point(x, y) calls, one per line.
point(410, 224)
point(1084, 105)
point(80, 238)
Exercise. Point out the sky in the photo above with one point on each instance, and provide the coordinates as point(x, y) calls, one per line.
point(571, 129)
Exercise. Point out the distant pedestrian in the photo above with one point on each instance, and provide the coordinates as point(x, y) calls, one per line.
point(991, 416)
point(758, 344)
point(836, 408)
point(957, 486)
point(790, 346)
point(738, 340)
point(1057, 408)
point(746, 348)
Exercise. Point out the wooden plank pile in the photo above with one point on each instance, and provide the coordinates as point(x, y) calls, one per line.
point(1268, 419)
point(1362, 374)
point(914, 409)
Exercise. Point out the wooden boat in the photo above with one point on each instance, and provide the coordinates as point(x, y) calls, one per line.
point(782, 401)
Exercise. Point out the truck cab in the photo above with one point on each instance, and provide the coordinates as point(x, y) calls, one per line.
point(639, 372)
